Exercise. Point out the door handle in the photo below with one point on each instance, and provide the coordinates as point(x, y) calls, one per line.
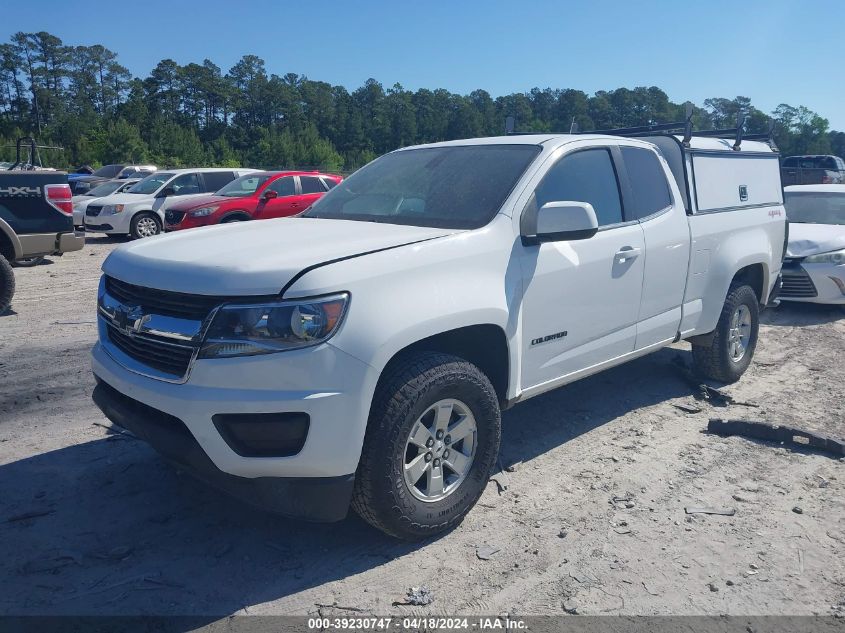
point(294, 204)
point(625, 253)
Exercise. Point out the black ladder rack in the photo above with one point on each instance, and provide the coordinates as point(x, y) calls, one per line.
point(684, 127)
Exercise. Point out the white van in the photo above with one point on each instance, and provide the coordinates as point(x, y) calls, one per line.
point(139, 211)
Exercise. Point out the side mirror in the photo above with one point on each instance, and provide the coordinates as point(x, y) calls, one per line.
point(270, 194)
point(167, 191)
point(565, 220)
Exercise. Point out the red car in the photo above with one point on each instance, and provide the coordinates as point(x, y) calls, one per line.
point(257, 196)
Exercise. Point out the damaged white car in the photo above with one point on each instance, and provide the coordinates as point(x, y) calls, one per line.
point(814, 268)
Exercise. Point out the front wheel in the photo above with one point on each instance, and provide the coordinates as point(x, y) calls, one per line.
point(732, 347)
point(431, 444)
point(144, 224)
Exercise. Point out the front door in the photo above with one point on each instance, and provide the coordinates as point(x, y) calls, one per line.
point(581, 298)
point(284, 204)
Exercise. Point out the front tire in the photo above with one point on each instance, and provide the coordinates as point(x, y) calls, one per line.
point(729, 353)
point(7, 284)
point(144, 224)
point(431, 444)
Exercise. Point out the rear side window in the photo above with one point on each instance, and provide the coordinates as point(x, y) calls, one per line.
point(311, 184)
point(283, 186)
point(828, 162)
point(586, 176)
point(215, 180)
point(648, 182)
point(185, 185)
point(329, 183)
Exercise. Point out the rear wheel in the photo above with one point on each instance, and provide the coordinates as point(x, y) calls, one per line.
point(732, 347)
point(431, 444)
point(144, 224)
point(7, 284)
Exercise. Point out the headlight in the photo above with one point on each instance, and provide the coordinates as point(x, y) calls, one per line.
point(834, 257)
point(198, 213)
point(113, 208)
point(248, 330)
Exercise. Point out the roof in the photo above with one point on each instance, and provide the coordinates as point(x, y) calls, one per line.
point(815, 189)
point(697, 142)
point(185, 170)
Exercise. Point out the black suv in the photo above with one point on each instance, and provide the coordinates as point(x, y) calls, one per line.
point(813, 170)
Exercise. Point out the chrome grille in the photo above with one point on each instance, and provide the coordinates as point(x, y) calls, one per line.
point(170, 358)
point(164, 302)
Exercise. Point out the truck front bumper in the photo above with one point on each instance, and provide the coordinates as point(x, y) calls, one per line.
point(311, 498)
point(182, 421)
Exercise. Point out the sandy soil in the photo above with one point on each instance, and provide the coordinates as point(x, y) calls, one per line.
point(592, 517)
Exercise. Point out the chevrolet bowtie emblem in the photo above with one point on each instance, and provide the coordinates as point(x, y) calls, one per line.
point(130, 320)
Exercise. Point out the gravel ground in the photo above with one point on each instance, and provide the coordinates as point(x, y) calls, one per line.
point(592, 518)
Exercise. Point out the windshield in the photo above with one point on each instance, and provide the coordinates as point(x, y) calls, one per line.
point(243, 186)
point(108, 171)
point(150, 184)
point(815, 208)
point(444, 187)
point(105, 189)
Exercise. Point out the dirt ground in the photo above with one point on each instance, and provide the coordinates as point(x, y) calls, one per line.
point(592, 517)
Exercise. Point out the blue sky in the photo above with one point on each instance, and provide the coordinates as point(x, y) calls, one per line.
point(773, 52)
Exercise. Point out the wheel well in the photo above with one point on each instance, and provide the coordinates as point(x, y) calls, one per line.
point(485, 346)
point(235, 214)
point(752, 275)
point(7, 249)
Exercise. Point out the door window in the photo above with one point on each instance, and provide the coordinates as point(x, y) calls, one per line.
point(216, 180)
point(311, 184)
point(283, 186)
point(649, 186)
point(329, 183)
point(185, 184)
point(585, 176)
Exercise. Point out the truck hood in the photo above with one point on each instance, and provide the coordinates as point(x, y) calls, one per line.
point(252, 258)
point(812, 239)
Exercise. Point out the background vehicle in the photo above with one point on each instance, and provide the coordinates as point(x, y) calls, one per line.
point(81, 201)
point(810, 170)
point(35, 220)
point(82, 183)
point(363, 351)
point(257, 196)
point(139, 211)
point(814, 269)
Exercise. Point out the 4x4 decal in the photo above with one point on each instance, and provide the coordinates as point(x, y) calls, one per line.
point(20, 192)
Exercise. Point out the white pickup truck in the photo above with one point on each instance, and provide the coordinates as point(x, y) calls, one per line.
point(362, 353)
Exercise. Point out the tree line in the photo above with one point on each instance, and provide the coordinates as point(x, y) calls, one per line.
point(82, 99)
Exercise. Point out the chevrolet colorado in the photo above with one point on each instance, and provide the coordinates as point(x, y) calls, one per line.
point(361, 353)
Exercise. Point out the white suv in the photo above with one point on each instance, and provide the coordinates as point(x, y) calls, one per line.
point(139, 211)
point(363, 351)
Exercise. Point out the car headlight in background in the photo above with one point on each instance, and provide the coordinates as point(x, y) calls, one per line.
point(834, 257)
point(198, 213)
point(248, 330)
point(112, 208)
